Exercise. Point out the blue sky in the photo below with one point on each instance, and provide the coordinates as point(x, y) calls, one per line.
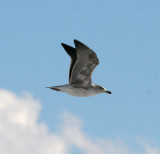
point(124, 34)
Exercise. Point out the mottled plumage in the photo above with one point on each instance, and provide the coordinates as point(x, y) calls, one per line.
point(83, 63)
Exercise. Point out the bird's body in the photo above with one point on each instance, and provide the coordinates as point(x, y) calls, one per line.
point(83, 62)
point(81, 91)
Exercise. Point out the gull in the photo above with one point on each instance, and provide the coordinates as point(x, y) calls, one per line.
point(83, 63)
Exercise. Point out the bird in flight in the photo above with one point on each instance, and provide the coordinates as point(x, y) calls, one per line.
point(83, 63)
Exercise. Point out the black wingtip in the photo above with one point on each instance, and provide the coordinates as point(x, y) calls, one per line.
point(80, 44)
point(67, 47)
point(64, 45)
point(76, 42)
point(70, 50)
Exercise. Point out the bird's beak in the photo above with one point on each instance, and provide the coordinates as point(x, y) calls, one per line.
point(109, 92)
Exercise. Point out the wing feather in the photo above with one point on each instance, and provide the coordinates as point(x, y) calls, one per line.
point(72, 53)
point(83, 68)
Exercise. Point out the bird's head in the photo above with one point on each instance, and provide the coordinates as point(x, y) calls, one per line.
point(101, 89)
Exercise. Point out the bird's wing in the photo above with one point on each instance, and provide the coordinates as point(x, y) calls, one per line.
point(72, 53)
point(86, 62)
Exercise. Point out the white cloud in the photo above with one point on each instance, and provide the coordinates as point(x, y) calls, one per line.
point(19, 130)
point(21, 133)
point(71, 130)
point(148, 148)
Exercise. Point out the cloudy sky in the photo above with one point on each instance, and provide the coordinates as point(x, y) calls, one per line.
point(35, 120)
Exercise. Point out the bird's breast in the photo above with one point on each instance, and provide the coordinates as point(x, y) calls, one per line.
point(80, 91)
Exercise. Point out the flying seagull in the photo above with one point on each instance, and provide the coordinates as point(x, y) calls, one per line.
point(83, 62)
